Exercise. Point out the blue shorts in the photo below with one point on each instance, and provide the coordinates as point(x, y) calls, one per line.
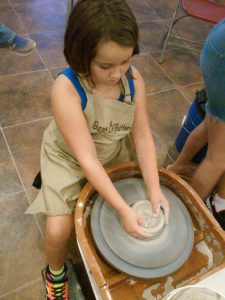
point(212, 64)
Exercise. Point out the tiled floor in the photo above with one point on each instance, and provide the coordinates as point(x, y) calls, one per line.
point(25, 84)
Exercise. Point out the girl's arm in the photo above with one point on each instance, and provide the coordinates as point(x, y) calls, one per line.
point(145, 149)
point(70, 119)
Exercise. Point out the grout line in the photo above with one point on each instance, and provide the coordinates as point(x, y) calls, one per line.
point(28, 122)
point(18, 17)
point(8, 148)
point(33, 71)
point(21, 181)
point(165, 73)
point(161, 91)
point(22, 73)
point(170, 157)
point(151, 21)
point(42, 60)
point(160, 19)
point(21, 287)
point(190, 84)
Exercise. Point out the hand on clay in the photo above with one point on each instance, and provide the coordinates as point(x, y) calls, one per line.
point(158, 199)
point(132, 223)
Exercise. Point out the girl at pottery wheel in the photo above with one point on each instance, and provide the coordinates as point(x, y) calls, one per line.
point(100, 118)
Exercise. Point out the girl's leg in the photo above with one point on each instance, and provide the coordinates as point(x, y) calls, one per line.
point(195, 141)
point(57, 233)
point(213, 166)
point(221, 186)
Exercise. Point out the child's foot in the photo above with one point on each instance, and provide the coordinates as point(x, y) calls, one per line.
point(218, 214)
point(21, 45)
point(56, 285)
point(187, 170)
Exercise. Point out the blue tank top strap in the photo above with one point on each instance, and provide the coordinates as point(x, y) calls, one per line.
point(71, 75)
point(131, 84)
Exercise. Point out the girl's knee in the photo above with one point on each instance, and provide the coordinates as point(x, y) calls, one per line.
point(57, 238)
point(58, 229)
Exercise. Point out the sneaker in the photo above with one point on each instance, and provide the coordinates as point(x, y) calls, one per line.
point(22, 45)
point(219, 216)
point(56, 289)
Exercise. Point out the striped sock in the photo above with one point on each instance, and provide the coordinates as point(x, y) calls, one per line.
point(58, 276)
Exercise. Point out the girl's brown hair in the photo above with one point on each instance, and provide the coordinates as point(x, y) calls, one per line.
point(94, 21)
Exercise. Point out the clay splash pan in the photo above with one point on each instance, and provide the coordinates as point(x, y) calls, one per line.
point(207, 252)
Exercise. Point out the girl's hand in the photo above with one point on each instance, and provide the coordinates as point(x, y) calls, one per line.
point(158, 199)
point(132, 222)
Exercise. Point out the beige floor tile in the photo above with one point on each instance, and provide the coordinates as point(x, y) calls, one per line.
point(10, 19)
point(25, 97)
point(25, 143)
point(152, 35)
point(166, 111)
point(11, 63)
point(155, 79)
point(50, 47)
point(182, 66)
point(9, 180)
point(32, 291)
point(143, 11)
point(21, 253)
point(164, 8)
point(42, 15)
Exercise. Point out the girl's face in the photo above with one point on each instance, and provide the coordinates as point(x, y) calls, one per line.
point(110, 63)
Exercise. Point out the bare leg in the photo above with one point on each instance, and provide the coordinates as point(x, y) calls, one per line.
point(196, 140)
point(57, 233)
point(221, 187)
point(213, 166)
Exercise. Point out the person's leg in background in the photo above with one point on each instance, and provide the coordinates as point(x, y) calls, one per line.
point(211, 130)
point(216, 202)
point(212, 64)
point(213, 166)
point(221, 187)
point(9, 40)
point(195, 141)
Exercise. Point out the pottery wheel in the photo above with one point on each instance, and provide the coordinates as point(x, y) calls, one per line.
point(149, 258)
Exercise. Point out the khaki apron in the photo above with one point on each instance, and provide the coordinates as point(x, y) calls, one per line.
point(110, 123)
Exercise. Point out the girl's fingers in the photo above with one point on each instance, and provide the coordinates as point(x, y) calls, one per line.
point(166, 210)
point(140, 221)
point(140, 233)
point(155, 209)
point(166, 215)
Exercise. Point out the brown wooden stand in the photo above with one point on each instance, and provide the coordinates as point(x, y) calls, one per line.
point(207, 256)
